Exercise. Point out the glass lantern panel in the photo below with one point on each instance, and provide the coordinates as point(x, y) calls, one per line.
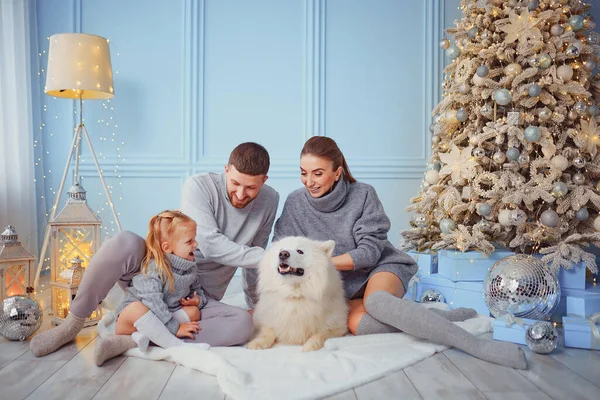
point(61, 301)
point(72, 242)
point(15, 280)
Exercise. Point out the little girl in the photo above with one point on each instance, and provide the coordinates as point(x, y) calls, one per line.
point(164, 301)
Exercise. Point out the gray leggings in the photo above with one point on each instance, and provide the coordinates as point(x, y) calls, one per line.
point(119, 258)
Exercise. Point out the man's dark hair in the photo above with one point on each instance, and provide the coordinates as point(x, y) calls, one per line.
point(250, 158)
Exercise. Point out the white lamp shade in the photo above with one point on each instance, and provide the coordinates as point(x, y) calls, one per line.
point(79, 67)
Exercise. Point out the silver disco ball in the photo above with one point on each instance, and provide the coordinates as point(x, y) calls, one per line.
point(541, 337)
point(20, 317)
point(523, 286)
point(432, 296)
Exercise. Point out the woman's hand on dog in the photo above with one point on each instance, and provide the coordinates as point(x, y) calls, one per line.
point(188, 329)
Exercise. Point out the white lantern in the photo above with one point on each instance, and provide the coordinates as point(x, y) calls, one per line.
point(15, 265)
point(75, 233)
point(63, 291)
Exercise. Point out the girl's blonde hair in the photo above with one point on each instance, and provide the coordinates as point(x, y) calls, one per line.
point(160, 228)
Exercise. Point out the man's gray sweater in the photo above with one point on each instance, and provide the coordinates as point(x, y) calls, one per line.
point(227, 237)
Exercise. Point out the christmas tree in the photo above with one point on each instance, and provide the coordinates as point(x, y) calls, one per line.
point(515, 158)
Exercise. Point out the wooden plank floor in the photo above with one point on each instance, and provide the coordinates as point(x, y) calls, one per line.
point(70, 373)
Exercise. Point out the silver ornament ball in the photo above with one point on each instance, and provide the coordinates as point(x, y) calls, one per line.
point(463, 88)
point(541, 337)
point(578, 179)
point(20, 317)
point(592, 110)
point(478, 153)
point(545, 61)
point(444, 43)
point(420, 220)
point(523, 159)
point(580, 107)
point(517, 217)
point(461, 115)
point(447, 225)
point(579, 162)
point(576, 22)
point(523, 286)
point(572, 51)
point(589, 65)
point(432, 296)
point(452, 52)
point(544, 114)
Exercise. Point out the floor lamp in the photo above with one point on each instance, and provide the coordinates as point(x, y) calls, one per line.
point(79, 68)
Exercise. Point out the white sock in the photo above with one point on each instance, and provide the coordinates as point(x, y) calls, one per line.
point(181, 316)
point(150, 326)
point(141, 340)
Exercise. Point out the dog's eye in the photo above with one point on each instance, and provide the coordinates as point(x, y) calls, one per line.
point(300, 251)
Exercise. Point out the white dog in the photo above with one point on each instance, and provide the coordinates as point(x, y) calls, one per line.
point(301, 296)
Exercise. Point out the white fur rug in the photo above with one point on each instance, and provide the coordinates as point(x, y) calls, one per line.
point(285, 372)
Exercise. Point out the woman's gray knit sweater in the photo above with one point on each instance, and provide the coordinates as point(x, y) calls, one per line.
point(352, 215)
point(155, 294)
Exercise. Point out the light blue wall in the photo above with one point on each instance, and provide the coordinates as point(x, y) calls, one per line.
point(195, 78)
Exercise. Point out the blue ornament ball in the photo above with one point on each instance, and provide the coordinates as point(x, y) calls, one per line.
point(513, 153)
point(532, 133)
point(472, 33)
point(452, 52)
point(484, 209)
point(534, 90)
point(461, 115)
point(582, 214)
point(482, 71)
point(592, 110)
point(533, 5)
point(502, 97)
point(576, 22)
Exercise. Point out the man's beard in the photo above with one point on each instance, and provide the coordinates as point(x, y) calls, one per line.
point(239, 204)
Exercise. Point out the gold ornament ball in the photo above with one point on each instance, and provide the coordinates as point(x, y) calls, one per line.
point(504, 217)
point(513, 69)
point(559, 162)
point(432, 176)
point(565, 72)
point(597, 223)
point(572, 115)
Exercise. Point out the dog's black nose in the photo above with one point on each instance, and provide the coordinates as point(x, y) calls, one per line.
point(284, 255)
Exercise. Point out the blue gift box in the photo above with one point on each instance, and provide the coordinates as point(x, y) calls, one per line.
point(427, 262)
point(513, 333)
point(573, 278)
point(583, 303)
point(578, 333)
point(469, 266)
point(457, 294)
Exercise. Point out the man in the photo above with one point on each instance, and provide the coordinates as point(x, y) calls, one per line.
point(234, 212)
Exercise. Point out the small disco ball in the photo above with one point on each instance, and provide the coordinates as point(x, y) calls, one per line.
point(432, 296)
point(523, 286)
point(541, 337)
point(20, 317)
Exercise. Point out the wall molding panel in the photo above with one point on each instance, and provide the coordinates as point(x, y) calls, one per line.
point(175, 62)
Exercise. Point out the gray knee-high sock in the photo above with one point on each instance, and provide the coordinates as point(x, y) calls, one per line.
point(369, 325)
point(456, 315)
point(415, 320)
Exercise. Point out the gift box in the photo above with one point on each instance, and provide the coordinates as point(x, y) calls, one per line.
point(582, 333)
point(457, 294)
point(469, 266)
point(427, 262)
point(583, 303)
point(573, 278)
point(511, 330)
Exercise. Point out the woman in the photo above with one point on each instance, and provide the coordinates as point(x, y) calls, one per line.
point(333, 205)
